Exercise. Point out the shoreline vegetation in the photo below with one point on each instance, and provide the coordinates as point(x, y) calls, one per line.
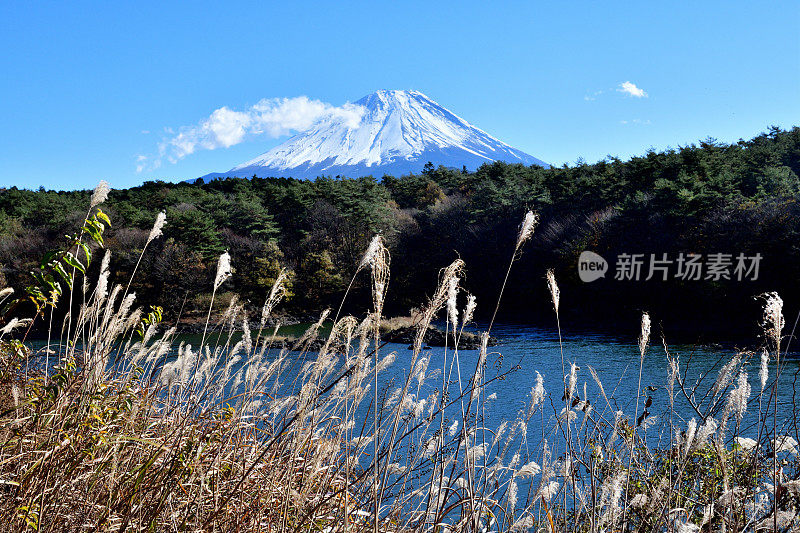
point(155, 442)
point(706, 198)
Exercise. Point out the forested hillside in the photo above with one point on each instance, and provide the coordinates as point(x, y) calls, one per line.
point(703, 199)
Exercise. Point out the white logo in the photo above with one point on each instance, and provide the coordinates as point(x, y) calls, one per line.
point(591, 266)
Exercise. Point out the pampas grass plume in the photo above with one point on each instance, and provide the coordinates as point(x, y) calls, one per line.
point(223, 270)
point(158, 226)
point(553, 286)
point(99, 194)
point(527, 227)
point(644, 338)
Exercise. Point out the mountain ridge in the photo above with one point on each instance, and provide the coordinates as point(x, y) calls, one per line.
point(398, 133)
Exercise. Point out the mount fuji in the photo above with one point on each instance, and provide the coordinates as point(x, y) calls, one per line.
point(398, 133)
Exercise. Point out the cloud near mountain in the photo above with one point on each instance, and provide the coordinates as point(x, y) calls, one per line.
point(225, 127)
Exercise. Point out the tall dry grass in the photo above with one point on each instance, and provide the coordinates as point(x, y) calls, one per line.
point(141, 432)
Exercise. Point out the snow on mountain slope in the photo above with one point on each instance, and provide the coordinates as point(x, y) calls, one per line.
point(399, 132)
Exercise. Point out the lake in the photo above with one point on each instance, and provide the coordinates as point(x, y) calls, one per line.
point(615, 360)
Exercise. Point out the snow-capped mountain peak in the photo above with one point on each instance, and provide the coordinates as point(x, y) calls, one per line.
point(398, 133)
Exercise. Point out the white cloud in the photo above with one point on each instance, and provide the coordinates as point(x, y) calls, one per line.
point(631, 90)
point(142, 163)
point(635, 121)
point(593, 96)
point(225, 127)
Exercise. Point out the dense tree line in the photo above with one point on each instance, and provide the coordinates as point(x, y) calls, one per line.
point(705, 198)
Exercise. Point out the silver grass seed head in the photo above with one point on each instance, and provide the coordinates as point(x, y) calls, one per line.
point(611, 492)
point(232, 312)
point(512, 495)
point(452, 297)
point(421, 368)
point(438, 300)
point(672, 374)
point(125, 306)
point(739, 395)
point(277, 292)
point(99, 194)
point(469, 310)
point(639, 501)
point(644, 338)
point(247, 339)
point(8, 291)
point(453, 428)
point(529, 470)
point(477, 452)
point(106, 261)
point(527, 227)
point(101, 290)
point(371, 255)
point(525, 523)
point(783, 518)
point(13, 324)
point(573, 380)
point(691, 429)
point(726, 374)
point(15, 394)
point(378, 259)
point(706, 431)
point(158, 226)
point(499, 433)
point(773, 320)
point(537, 393)
point(763, 371)
point(387, 361)
point(549, 489)
point(686, 527)
point(448, 274)
point(223, 270)
point(555, 293)
point(395, 469)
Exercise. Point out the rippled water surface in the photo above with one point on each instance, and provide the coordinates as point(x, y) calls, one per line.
point(525, 350)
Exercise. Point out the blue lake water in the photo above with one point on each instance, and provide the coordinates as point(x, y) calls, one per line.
point(615, 360)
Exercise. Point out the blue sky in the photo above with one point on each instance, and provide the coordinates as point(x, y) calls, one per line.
point(89, 87)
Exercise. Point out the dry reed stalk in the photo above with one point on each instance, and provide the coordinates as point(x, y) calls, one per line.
point(234, 437)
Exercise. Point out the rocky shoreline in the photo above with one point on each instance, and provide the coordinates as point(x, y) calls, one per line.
point(197, 327)
point(437, 337)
